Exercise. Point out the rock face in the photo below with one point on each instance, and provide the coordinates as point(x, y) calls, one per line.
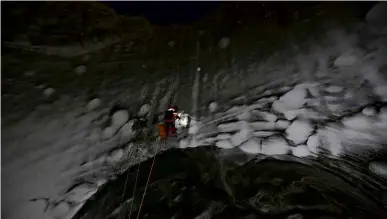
point(377, 15)
point(62, 23)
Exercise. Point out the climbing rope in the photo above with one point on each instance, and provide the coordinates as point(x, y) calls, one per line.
point(134, 190)
point(126, 182)
point(147, 182)
point(138, 171)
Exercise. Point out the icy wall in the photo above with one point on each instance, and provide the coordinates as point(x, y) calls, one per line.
point(324, 97)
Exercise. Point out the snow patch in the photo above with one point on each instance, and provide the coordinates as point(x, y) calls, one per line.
point(381, 90)
point(93, 104)
point(331, 140)
point(213, 107)
point(290, 103)
point(41, 86)
point(224, 144)
point(126, 131)
point(194, 127)
point(301, 151)
point(205, 78)
point(346, 60)
point(223, 137)
point(183, 143)
point(119, 118)
point(29, 73)
point(275, 146)
point(144, 110)
point(334, 89)
point(101, 182)
point(282, 124)
point(60, 210)
point(383, 114)
point(80, 70)
point(313, 143)
point(358, 122)
point(224, 42)
point(292, 114)
point(295, 98)
point(369, 111)
point(108, 132)
point(245, 116)
point(299, 131)
point(94, 135)
point(297, 216)
point(171, 43)
point(116, 155)
point(48, 92)
point(252, 146)
point(209, 141)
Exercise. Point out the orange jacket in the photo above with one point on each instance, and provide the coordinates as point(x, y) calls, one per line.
point(162, 129)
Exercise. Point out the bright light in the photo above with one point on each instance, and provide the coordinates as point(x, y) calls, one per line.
point(183, 121)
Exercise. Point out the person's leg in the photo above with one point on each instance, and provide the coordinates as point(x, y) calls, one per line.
point(173, 129)
point(167, 127)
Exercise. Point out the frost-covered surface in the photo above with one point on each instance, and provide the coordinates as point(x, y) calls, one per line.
point(60, 154)
point(68, 51)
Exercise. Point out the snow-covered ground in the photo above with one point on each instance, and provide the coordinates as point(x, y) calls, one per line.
point(59, 155)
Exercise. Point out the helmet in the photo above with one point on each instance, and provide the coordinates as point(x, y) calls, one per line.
point(171, 107)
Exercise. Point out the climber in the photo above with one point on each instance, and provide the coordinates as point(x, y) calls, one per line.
point(169, 119)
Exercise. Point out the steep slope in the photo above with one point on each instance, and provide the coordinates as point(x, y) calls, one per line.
point(325, 97)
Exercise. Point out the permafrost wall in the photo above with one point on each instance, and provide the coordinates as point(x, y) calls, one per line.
point(326, 97)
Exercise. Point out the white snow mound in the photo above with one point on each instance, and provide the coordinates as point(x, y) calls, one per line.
point(224, 42)
point(295, 98)
point(346, 60)
point(301, 151)
point(313, 143)
point(252, 146)
point(299, 131)
point(48, 92)
point(80, 70)
point(213, 107)
point(144, 110)
point(292, 100)
point(119, 118)
point(93, 104)
point(275, 146)
point(108, 132)
point(224, 144)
